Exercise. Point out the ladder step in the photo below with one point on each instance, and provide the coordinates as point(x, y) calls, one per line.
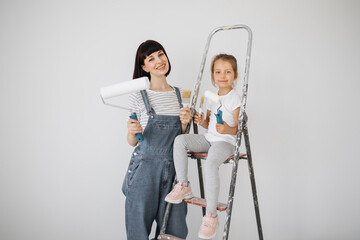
point(204, 155)
point(202, 203)
point(168, 237)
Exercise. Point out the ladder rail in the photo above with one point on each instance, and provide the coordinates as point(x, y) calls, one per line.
point(244, 131)
point(167, 213)
point(200, 172)
point(253, 184)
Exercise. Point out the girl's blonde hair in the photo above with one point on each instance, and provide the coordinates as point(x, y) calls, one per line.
point(225, 57)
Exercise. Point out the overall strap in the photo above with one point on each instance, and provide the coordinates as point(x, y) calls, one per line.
point(178, 96)
point(146, 102)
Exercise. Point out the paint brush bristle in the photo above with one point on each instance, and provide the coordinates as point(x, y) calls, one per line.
point(186, 93)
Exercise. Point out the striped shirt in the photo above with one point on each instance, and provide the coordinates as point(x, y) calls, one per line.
point(164, 103)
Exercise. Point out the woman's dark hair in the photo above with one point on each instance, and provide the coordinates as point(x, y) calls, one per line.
point(146, 49)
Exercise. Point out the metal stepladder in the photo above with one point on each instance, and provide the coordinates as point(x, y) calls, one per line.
point(242, 131)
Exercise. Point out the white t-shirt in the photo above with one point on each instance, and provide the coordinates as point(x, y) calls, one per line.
point(230, 102)
point(164, 103)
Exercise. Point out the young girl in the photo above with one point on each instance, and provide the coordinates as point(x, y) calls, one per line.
point(151, 170)
point(219, 142)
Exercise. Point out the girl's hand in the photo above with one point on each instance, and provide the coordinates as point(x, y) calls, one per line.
point(199, 118)
point(134, 127)
point(224, 128)
point(185, 115)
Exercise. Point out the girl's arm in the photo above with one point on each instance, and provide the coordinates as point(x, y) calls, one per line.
point(225, 128)
point(199, 119)
point(134, 127)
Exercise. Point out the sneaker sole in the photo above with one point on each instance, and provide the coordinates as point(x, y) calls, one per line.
point(187, 196)
point(207, 237)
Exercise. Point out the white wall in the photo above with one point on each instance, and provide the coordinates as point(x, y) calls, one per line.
point(63, 154)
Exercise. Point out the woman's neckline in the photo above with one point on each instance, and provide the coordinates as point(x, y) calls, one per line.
point(164, 91)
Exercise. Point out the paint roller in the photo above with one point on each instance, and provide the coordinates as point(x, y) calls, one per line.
point(215, 99)
point(122, 88)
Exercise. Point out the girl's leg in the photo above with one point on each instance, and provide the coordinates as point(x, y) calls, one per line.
point(182, 144)
point(218, 153)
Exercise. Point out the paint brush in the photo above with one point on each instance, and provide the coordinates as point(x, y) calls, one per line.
point(185, 95)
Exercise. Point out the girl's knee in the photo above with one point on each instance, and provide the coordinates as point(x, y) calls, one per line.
point(180, 141)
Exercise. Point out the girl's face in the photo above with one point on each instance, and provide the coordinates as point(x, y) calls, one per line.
point(156, 64)
point(224, 74)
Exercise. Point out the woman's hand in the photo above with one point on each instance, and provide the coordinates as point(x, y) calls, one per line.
point(185, 117)
point(134, 127)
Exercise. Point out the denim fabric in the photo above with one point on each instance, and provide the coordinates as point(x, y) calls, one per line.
point(149, 179)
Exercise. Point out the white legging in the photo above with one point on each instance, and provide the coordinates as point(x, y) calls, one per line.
point(218, 152)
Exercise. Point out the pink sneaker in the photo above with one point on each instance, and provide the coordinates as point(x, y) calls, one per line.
point(179, 193)
point(208, 226)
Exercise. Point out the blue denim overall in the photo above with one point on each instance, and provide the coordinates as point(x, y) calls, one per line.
point(149, 178)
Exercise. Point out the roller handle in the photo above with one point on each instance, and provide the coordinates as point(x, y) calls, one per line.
point(219, 117)
point(139, 136)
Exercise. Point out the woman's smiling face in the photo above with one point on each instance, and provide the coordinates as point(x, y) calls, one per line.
point(156, 64)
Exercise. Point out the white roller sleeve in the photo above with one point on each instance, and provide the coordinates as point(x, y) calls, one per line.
point(212, 96)
point(126, 87)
